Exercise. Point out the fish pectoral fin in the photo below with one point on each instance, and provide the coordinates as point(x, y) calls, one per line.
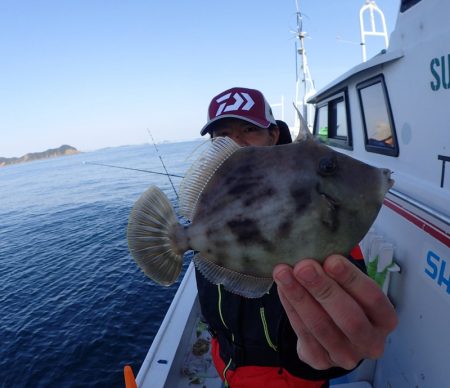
point(241, 284)
point(328, 212)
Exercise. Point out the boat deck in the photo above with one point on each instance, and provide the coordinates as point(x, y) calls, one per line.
point(180, 353)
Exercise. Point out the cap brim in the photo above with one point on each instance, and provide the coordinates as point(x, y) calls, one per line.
point(207, 128)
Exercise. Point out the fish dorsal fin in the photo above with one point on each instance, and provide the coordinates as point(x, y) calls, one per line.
point(303, 131)
point(201, 172)
point(244, 285)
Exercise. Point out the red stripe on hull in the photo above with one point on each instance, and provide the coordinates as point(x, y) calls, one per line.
point(426, 226)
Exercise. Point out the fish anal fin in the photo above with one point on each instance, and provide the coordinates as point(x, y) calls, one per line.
point(241, 284)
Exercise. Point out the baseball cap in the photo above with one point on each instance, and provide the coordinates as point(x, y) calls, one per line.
point(240, 103)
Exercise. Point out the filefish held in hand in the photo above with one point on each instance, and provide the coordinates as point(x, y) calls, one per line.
point(254, 207)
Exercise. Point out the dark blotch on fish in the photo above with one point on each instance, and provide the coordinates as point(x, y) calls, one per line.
point(259, 195)
point(240, 189)
point(247, 232)
point(285, 228)
point(301, 198)
point(244, 229)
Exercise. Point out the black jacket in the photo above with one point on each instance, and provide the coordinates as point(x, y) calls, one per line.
point(254, 331)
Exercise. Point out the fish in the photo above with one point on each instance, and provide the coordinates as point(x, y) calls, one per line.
point(251, 208)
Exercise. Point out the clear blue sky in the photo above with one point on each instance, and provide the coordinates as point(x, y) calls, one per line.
point(98, 73)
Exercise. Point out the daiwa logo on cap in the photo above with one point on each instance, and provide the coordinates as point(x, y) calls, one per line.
point(236, 102)
point(240, 103)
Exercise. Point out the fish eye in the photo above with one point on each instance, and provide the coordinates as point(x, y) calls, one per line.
point(328, 165)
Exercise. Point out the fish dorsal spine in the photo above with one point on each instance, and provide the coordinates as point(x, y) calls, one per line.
point(201, 172)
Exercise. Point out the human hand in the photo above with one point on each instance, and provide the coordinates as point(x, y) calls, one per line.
point(339, 314)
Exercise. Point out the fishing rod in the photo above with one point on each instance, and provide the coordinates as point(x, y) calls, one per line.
point(162, 162)
point(136, 169)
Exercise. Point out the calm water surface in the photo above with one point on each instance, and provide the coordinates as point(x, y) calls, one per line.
point(74, 307)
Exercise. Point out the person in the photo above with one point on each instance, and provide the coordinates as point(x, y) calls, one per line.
point(317, 322)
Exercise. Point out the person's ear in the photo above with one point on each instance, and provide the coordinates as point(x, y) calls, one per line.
point(274, 134)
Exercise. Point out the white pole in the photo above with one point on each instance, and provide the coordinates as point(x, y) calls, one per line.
point(373, 9)
point(303, 68)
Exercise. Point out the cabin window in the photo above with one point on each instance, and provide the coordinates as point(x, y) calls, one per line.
point(406, 4)
point(339, 118)
point(331, 123)
point(322, 119)
point(377, 117)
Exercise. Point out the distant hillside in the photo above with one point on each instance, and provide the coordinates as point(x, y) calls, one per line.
point(51, 153)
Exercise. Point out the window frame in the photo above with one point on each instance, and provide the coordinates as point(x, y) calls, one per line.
point(340, 142)
point(389, 151)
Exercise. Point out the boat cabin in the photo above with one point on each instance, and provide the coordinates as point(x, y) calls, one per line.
point(393, 112)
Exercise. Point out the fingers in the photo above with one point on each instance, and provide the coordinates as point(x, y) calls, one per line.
point(364, 290)
point(321, 343)
point(340, 307)
point(309, 349)
point(339, 314)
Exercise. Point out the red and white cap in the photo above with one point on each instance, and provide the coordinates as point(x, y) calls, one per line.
point(240, 103)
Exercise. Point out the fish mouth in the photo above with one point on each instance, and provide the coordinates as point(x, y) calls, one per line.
point(387, 173)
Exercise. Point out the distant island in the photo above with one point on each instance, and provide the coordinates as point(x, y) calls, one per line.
point(50, 153)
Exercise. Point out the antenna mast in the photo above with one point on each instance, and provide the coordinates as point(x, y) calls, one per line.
point(303, 69)
point(371, 8)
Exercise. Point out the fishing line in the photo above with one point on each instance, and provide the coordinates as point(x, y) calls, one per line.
point(134, 169)
point(162, 162)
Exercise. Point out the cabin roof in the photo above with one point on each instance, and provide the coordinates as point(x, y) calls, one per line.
point(379, 59)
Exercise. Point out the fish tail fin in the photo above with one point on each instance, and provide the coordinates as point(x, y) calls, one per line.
point(152, 225)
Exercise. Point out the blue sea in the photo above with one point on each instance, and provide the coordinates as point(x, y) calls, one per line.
point(75, 308)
